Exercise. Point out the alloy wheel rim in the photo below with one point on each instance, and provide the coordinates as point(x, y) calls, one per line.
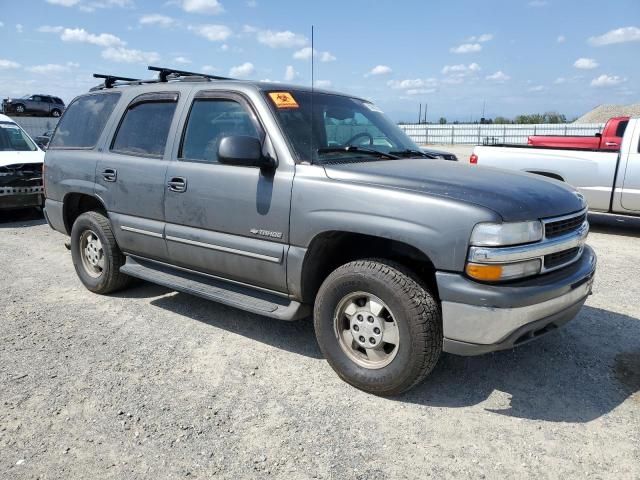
point(92, 253)
point(366, 330)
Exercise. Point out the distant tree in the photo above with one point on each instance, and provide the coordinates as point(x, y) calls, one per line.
point(554, 117)
point(442, 121)
point(501, 120)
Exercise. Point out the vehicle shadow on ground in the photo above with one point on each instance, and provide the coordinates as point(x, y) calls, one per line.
point(573, 375)
point(296, 337)
point(614, 224)
point(24, 217)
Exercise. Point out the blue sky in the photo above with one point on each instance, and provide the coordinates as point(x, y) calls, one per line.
point(518, 56)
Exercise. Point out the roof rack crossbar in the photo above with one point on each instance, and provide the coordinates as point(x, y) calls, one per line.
point(110, 80)
point(164, 73)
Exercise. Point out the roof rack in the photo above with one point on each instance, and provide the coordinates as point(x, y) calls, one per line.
point(164, 74)
point(110, 80)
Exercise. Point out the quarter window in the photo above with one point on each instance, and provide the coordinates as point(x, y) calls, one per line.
point(145, 128)
point(622, 126)
point(210, 120)
point(83, 121)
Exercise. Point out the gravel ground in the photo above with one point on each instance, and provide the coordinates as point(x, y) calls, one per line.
point(151, 383)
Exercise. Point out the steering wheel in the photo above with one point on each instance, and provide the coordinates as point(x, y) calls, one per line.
point(359, 135)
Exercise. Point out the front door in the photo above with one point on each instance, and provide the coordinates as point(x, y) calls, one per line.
point(224, 220)
point(130, 177)
point(631, 187)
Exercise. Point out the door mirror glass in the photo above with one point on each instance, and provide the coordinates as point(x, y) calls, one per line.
point(243, 150)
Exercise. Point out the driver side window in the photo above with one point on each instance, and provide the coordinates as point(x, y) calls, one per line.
point(210, 120)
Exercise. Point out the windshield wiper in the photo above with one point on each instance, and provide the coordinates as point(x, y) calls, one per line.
point(352, 148)
point(410, 152)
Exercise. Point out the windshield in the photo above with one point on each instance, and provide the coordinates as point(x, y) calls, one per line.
point(344, 128)
point(14, 139)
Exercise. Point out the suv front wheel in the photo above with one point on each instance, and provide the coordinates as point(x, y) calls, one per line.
point(95, 253)
point(378, 328)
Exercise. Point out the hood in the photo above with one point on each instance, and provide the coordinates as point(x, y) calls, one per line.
point(13, 157)
point(514, 196)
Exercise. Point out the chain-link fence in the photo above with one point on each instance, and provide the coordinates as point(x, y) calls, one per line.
point(479, 134)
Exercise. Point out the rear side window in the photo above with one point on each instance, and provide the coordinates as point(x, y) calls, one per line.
point(210, 120)
point(83, 121)
point(145, 126)
point(622, 126)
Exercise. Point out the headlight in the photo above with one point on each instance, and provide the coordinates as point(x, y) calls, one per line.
point(503, 271)
point(504, 234)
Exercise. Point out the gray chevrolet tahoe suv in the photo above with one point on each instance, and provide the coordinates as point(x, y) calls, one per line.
point(287, 202)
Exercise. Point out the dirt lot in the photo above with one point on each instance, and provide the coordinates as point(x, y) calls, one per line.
point(150, 383)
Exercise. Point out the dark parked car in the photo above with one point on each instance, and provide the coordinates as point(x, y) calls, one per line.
point(42, 105)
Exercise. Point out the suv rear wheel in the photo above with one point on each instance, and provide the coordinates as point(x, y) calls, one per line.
point(378, 328)
point(55, 112)
point(95, 253)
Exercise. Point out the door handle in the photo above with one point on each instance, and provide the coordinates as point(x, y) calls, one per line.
point(611, 144)
point(177, 184)
point(110, 174)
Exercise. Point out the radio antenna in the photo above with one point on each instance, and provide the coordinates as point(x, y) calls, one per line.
point(312, 95)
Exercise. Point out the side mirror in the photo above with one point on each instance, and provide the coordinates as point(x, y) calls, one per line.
point(599, 135)
point(244, 151)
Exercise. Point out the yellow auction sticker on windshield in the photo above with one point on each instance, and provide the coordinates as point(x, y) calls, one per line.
point(283, 100)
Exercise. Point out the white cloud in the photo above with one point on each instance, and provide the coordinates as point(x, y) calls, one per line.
point(560, 81)
point(126, 55)
point(485, 37)
point(561, 39)
point(460, 69)
point(182, 60)
point(323, 83)
point(585, 63)
point(48, 69)
point(305, 54)
point(50, 29)
point(499, 77)
point(284, 39)
point(19, 28)
point(156, 19)
point(224, 47)
point(537, 88)
point(252, 4)
point(242, 71)
point(466, 48)
point(8, 64)
point(379, 70)
point(290, 73)
point(213, 33)
point(411, 83)
point(209, 7)
point(1, 24)
point(81, 35)
point(326, 57)
point(64, 3)
point(619, 35)
point(607, 81)
point(538, 3)
point(420, 91)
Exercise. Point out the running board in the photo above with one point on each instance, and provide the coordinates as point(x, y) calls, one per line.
point(239, 296)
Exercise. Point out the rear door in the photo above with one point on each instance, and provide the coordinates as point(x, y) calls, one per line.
point(130, 177)
point(225, 220)
point(630, 198)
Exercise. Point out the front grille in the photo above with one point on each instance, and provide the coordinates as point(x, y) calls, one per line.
point(564, 226)
point(560, 258)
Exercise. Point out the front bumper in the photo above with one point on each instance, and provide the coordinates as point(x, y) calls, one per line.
point(480, 318)
point(21, 197)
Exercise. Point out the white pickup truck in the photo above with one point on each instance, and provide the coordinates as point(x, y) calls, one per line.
point(610, 181)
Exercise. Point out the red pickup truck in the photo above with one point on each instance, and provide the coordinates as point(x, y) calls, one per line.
point(609, 139)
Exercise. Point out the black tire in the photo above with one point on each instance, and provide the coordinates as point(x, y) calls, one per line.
point(55, 112)
point(110, 279)
point(417, 314)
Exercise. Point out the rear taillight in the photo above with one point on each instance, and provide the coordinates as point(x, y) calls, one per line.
point(473, 158)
